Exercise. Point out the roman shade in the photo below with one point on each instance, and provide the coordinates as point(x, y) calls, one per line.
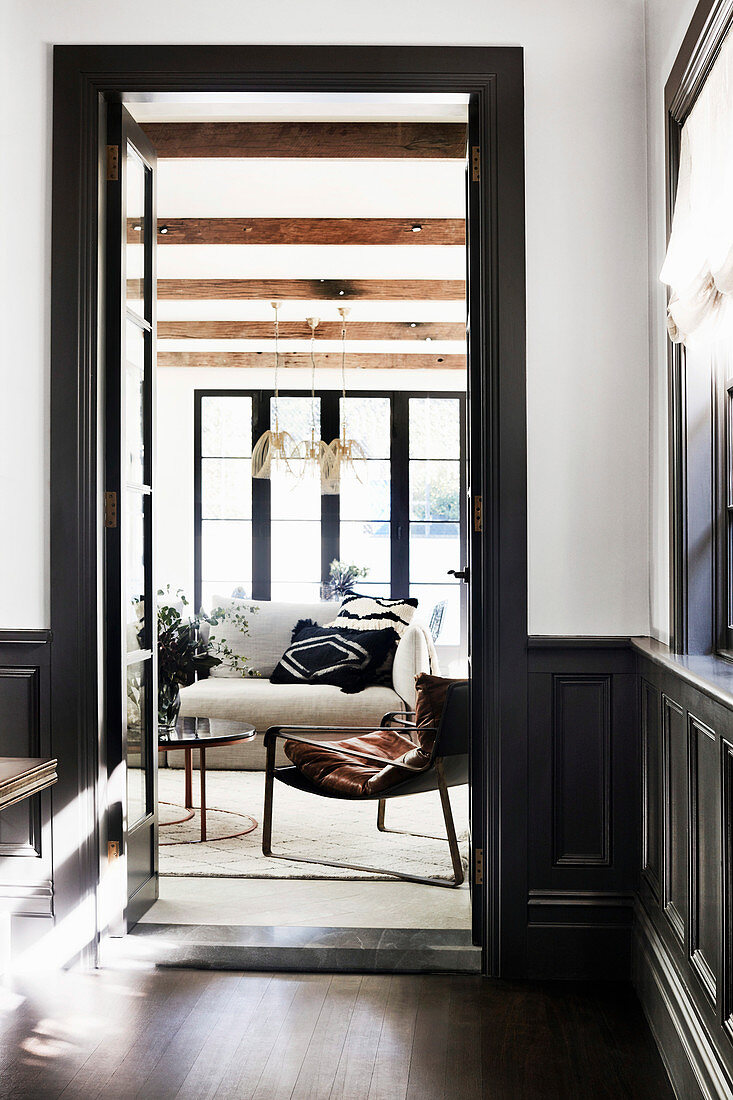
point(698, 266)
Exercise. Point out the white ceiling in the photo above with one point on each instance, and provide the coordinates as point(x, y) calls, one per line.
point(296, 107)
point(324, 188)
point(318, 188)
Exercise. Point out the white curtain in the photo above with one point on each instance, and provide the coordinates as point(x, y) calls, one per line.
point(699, 264)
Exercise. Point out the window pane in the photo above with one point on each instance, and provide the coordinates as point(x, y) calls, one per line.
point(135, 628)
point(434, 549)
point(293, 497)
point(296, 415)
point(135, 248)
point(367, 544)
point(226, 551)
point(367, 420)
point(138, 736)
point(226, 488)
point(226, 426)
point(435, 427)
point(134, 403)
point(435, 490)
point(296, 551)
point(368, 498)
point(242, 590)
point(297, 592)
point(447, 619)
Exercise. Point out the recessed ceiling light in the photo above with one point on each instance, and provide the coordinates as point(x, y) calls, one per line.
point(417, 229)
point(413, 324)
point(163, 229)
point(428, 339)
point(138, 228)
point(341, 292)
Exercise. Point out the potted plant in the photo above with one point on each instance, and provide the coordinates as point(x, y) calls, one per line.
point(182, 654)
point(342, 579)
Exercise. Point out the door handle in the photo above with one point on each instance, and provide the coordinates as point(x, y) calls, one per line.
point(460, 574)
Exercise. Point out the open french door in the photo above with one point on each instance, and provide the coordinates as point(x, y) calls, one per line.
point(480, 859)
point(130, 619)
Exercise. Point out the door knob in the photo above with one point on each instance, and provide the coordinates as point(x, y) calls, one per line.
point(460, 574)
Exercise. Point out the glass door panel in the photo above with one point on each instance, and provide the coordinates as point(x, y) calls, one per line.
point(130, 619)
point(365, 500)
point(436, 510)
point(295, 507)
point(223, 498)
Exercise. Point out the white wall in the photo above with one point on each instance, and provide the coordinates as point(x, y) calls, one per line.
point(666, 22)
point(586, 256)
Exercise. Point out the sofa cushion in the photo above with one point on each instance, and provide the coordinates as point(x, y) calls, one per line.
point(265, 704)
point(270, 628)
point(348, 659)
point(334, 770)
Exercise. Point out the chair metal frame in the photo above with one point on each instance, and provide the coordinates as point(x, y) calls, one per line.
point(435, 765)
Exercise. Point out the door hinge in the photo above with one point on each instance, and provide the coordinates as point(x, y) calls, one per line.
point(110, 509)
point(475, 164)
point(478, 519)
point(113, 850)
point(478, 866)
point(113, 162)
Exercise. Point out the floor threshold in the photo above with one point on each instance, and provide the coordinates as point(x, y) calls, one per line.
point(304, 949)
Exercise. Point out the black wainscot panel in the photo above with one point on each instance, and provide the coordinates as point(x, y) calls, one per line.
point(583, 807)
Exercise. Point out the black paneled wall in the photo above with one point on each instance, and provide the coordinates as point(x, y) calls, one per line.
point(583, 808)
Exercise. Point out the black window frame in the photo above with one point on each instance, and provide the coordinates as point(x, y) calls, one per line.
point(699, 428)
point(330, 505)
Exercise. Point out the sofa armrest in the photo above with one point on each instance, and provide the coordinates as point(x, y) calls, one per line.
point(412, 657)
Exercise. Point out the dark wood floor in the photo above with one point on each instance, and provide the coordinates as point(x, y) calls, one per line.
point(185, 1033)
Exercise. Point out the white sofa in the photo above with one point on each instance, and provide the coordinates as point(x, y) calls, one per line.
point(227, 696)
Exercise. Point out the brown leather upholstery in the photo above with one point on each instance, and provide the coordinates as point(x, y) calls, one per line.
point(335, 771)
point(431, 693)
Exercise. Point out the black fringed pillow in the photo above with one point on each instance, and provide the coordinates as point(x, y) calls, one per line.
point(349, 659)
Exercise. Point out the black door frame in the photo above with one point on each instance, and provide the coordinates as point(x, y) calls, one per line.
point(86, 76)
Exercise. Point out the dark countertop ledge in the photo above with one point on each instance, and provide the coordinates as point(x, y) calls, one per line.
point(712, 675)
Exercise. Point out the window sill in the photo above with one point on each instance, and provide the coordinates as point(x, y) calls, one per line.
point(709, 673)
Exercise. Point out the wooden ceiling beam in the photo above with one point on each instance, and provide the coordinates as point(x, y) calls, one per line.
point(294, 360)
point(291, 231)
point(330, 290)
point(299, 330)
point(342, 140)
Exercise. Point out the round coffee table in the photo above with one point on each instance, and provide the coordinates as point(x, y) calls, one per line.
point(196, 733)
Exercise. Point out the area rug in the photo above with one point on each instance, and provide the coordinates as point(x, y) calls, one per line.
point(306, 825)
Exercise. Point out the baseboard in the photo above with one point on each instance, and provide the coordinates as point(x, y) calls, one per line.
point(691, 1060)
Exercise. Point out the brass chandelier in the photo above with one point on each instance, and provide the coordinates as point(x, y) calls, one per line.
point(274, 448)
point(344, 453)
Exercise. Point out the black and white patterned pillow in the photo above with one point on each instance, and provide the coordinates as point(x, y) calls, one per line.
point(359, 612)
point(348, 659)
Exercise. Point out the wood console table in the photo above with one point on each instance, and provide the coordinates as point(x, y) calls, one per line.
point(23, 776)
point(20, 777)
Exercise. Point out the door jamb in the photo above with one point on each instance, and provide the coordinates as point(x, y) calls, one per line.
point(83, 77)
